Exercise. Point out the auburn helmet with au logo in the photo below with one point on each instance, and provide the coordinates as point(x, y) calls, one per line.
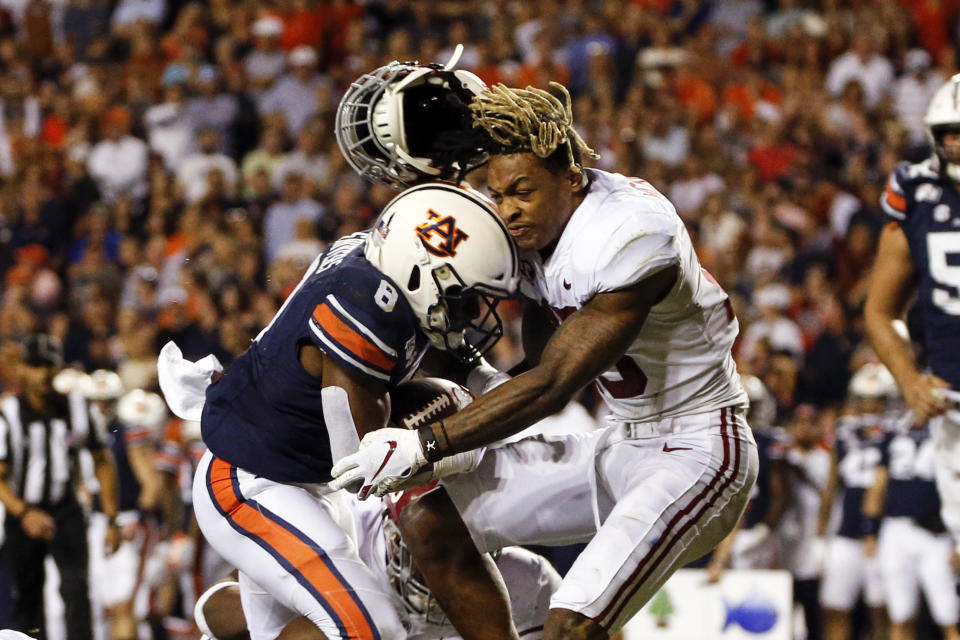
point(452, 257)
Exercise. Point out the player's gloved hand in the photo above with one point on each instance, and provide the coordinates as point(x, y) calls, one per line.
point(386, 458)
point(924, 395)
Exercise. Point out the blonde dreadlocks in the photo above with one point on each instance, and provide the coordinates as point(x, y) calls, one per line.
point(531, 119)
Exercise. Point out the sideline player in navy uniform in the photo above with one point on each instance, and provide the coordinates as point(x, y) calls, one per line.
point(919, 252)
point(317, 378)
point(849, 568)
point(913, 548)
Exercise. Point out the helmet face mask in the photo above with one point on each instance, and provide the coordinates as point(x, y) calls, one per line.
point(405, 123)
point(416, 596)
point(470, 322)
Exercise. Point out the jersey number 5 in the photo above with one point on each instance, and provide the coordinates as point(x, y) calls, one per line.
point(943, 257)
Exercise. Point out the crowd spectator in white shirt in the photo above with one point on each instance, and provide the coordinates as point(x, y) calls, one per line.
point(295, 96)
point(695, 184)
point(118, 163)
point(193, 172)
point(169, 130)
point(128, 12)
point(666, 141)
point(861, 63)
point(913, 91)
point(773, 326)
point(266, 61)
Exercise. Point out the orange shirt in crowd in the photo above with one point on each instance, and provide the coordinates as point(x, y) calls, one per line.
point(696, 94)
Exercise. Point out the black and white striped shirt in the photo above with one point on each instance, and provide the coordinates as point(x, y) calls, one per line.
point(40, 449)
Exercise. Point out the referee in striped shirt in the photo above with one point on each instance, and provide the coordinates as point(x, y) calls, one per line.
point(40, 434)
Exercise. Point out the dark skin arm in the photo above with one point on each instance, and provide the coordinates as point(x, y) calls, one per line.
point(588, 343)
point(369, 401)
point(893, 283)
point(105, 469)
point(828, 494)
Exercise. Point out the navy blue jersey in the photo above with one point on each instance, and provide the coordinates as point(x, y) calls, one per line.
point(770, 451)
point(908, 455)
point(927, 208)
point(858, 455)
point(265, 413)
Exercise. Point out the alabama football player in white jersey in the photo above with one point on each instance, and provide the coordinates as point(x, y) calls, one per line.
point(607, 259)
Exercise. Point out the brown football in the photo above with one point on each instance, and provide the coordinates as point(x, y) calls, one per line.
point(419, 402)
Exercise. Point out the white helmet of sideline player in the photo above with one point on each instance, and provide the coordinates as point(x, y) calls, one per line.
point(405, 123)
point(943, 117)
point(144, 409)
point(447, 250)
point(872, 390)
point(763, 406)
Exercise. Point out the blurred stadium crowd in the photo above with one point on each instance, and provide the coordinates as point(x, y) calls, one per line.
point(168, 168)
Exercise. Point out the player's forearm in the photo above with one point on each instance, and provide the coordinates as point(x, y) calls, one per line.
point(509, 408)
point(893, 350)
point(826, 500)
point(11, 501)
point(106, 474)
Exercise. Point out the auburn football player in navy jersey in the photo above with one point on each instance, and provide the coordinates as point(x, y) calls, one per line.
point(317, 379)
point(919, 252)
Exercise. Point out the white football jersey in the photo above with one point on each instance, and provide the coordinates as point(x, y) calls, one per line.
point(622, 232)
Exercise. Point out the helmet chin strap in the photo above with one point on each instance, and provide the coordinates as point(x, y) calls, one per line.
point(454, 58)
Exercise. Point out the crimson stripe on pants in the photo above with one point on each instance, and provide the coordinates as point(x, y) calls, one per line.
point(632, 584)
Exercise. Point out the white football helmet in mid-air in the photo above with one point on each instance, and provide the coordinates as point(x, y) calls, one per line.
point(447, 250)
point(943, 117)
point(405, 123)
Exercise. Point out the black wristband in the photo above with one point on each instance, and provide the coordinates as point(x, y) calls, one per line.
point(870, 526)
point(433, 447)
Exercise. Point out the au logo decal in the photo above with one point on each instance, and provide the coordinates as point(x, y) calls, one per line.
point(440, 236)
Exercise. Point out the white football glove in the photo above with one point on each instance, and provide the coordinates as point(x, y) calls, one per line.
point(386, 458)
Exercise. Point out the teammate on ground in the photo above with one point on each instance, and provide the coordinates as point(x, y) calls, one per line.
point(918, 253)
point(608, 258)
